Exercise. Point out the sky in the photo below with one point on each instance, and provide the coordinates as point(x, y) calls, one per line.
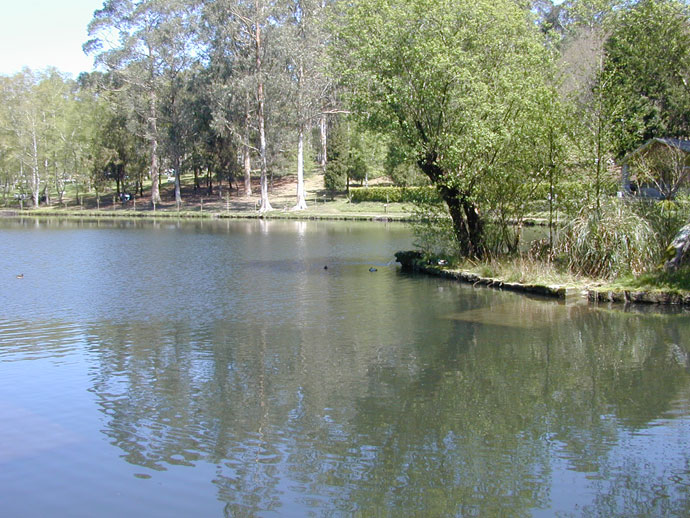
point(42, 33)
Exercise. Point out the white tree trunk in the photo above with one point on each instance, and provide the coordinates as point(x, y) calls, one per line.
point(324, 143)
point(246, 153)
point(301, 195)
point(155, 194)
point(247, 159)
point(178, 190)
point(35, 176)
point(265, 203)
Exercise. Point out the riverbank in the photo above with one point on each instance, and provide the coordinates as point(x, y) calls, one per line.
point(223, 203)
point(397, 214)
point(568, 289)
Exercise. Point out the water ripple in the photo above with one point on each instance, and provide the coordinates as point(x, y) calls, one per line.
point(25, 340)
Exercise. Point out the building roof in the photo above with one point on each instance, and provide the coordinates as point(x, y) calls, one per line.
point(679, 143)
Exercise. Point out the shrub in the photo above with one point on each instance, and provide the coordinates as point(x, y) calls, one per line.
point(394, 194)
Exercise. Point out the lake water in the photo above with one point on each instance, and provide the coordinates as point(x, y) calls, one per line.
point(216, 368)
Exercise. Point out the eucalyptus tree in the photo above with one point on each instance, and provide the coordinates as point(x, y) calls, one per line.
point(230, 77)
point(305, 49)
point(255, 20)
point(459, 83)
point(239, 33)
point(146, 44)
point(256, 23)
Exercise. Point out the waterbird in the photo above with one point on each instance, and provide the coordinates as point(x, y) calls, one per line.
point(325, 267)
point(372, 269)
point(20, 276)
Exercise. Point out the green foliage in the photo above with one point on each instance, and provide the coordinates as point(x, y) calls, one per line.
point(394, 194)
point(402, 168)
point(665, 217)
point(335, 178)
point(608, 242)
point(434, 232)
point(648, 70)
point(357, 167)
point(462, 85)
point(349, 152)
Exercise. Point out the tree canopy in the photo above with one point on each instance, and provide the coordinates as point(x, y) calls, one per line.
point(462, 84)
point(648, 67)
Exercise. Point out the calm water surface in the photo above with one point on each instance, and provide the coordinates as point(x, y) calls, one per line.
point(217, 369)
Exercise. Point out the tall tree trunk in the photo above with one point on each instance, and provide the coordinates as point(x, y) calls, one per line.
point(35, 176)
point(155, 172)
point(247, 159)
point(46, 167)
point(324, 143)
point(178, 191)
point(246, 152)
point(301, 195)
point(265, 203)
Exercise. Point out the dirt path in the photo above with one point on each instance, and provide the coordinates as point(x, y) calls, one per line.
point(282, 195)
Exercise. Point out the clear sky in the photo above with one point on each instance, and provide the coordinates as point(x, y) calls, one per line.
point(42, 33)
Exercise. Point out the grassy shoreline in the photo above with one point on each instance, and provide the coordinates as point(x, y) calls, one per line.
point(542, 279)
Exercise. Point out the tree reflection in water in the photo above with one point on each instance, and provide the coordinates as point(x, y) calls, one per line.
point(434, 412)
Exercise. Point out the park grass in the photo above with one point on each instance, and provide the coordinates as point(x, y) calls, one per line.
point(525, 270)
point(672, 282)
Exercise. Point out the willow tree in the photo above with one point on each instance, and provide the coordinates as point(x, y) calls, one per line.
point(460, 83)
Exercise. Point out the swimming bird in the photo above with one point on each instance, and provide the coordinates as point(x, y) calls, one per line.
point(20, 276)
point(325, 267)
point(372, 269)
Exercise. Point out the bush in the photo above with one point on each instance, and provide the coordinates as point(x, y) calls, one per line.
point(394, 194)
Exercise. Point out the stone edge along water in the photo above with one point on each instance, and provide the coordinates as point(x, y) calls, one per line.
point(413, 260)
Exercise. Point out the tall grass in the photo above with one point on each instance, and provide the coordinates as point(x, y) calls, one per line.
point(610, 242)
